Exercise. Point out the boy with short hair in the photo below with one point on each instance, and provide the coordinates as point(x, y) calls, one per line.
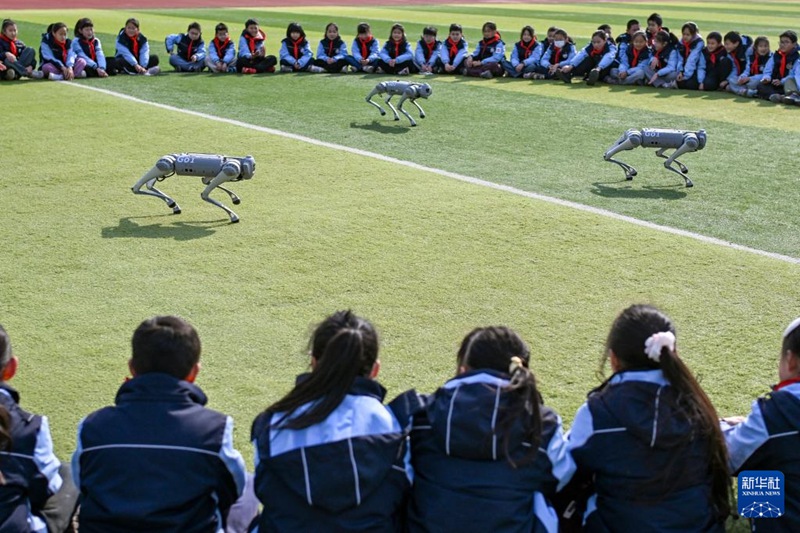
point(781, 79)
point(624, 40)
point(253, 56)
point(37, 492)
point(191, 49)
point(714, 66)
point(221, 51)
point(365, 50)
point(426, 55)
point(453, 51)
point(485, 61)
point(158, 460)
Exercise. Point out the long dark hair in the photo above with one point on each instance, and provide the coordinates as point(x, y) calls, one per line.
point(627, 338)
point(501, 349)
point(344, 346)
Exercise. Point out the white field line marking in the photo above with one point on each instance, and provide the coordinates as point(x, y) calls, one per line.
point(448, 174)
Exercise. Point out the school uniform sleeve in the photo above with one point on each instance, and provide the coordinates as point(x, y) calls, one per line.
point(284, 55)
point(745, 438)
point(172, 40)
point(748, 55)
point(673, 61)
point(321, 54)
point(498, 55)
point(76, 47)
point(374, 50)
point(384, 54)
point(514, 60)
point(795, 73)
point(560, 458)
point(76, 457)
point(201, 51)
point(701, 69)
point(71, 57)
point(570, 55)
point(419, 55)
point(46, 481)
point(306, 57)
point(101, 56)
point(406, 55)
point(228, 492)
point(608, 58)
point(230, 54)
point(126, 54)
point(244, 50)
point(580, 56)
point(144, 54)
point(355, 50)
point(535, 57)
point(692, 62)
point(546, 55)
point(47, 55)
point(624, 63)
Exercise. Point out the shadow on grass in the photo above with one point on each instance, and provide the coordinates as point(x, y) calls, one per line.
point(180, 231)
point(382, 127)
point(663, 192)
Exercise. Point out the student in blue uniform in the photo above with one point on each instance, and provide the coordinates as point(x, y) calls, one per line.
point(295, 54)
point(427, 58)
point(624, 40)
point(690, 49)
point(158, 460)
point(782, 71)
point(758, 56)
point(16, 59)
point(594, 61)
point(485, 61)
point(190, 55)
point(525, 55)
point(88, 47)
point(364, 53)
point(767, 438)
point(37, 491)
point(454, 51)
point(221, 55)
point(558, 54)
point(253, 58)
point(632, 62)
point(331, 52)
point(133, 52)
point(737, 54)
point(655, 23)
point(715, 66)
point(59, 60)
point(662, 71)
point(487, 454)
point(650, 437)
point(329, 455)
point(396, 56)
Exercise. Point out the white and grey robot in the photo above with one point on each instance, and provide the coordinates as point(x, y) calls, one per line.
point(214, 170)
point(406, 90)
point(663, 139)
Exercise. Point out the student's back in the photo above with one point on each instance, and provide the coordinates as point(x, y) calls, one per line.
point(329, 455)
point(158, 460)
point(480, 463)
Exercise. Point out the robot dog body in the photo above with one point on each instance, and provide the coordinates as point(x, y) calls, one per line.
point(662, 139)
point(406, 90)
point(213, 169)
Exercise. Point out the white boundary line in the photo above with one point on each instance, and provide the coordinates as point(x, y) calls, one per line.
point(447, 174)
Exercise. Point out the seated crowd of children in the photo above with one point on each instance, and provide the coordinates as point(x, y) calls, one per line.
point(646, 451)
point(652, 56)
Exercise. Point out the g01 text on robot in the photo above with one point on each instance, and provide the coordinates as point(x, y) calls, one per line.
point(213, 169)
point(662, 139)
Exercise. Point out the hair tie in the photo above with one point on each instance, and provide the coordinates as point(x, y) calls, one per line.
point(657, 342)
point(793, 326)
point(516, 362)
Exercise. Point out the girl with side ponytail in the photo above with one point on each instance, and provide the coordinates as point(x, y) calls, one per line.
point(650, 436)
point(329, 454)
point(486, 446)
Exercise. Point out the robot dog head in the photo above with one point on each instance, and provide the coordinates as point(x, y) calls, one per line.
point(248, 167)
point(701, 139)
point(424, 90)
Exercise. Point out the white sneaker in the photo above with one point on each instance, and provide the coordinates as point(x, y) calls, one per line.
point(316, 70)
point(152, 71)
point(82, 74)
point(37, 75)
point(55, 77)
point(403, 72)
point(286, 68)
point(352, 69)
point(369, 69)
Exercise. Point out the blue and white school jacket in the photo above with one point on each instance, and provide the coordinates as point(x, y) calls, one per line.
point(783, 67)
point(350, 472)
point(650, 472)
point(399, 51)
point(668, 60)
point(690, 54)
point(91, 51)
point(608, 55)
point(55, 53)
point(633, 61)
point(327, 49)
point(427, 54)
point(249, 45)
point(186, 46)
point(133, 51)
point(222, 52)
point(30, 468)
point(769, 439)
point(462, 478)
point(490, 50)
point(368, 49)
point(756, 64)
point(156, 461)
point(558, 56)
point(738, 59)
point(527, 55)
point(296, 52)
point(453, 53)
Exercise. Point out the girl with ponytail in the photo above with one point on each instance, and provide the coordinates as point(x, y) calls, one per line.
point(329, 455)
point(485, 446)
point(650, 437)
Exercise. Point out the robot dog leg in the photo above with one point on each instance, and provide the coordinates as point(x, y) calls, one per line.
point(406, 90)
point(379, 89)
point(628, 141)
point(230, 172)
point(403, 111)
point(164, 168)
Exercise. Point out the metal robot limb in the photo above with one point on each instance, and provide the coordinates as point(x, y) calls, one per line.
point(628, 141)
point(690, 144)
point(376, 90)
point(163, 168)
point(231, 171)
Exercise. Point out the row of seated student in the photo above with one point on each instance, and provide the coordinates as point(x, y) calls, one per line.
point(735, 63)
point(646, 451)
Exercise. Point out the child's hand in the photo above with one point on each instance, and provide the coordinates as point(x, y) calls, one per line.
point(566, 69)
point(622, 75)
point(653, 79)
point(68, 74)
point(520, 67)
point(765, 80)
point(733, 420)
point(392, 62)
point(193, 58)
point(331, 61)
point(552, 69)
point(776, 83)
point(743, 80)
point(11, 57)
point(102, 73)
point(723, 85)
point(140, 69)
point(2, 67)
point(680, 77)
point(701, 87)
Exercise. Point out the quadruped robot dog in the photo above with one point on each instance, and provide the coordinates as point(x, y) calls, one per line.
point(663, 139)
point(213, 169)
point(406, 90)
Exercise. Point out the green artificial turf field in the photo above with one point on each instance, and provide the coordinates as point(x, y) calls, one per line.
point(425, 257)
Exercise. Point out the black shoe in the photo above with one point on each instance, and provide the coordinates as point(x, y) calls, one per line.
point(594, 74)
point(566, 78)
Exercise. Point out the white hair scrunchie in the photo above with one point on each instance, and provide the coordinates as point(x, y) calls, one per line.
point(657, 342)
point(793, 326)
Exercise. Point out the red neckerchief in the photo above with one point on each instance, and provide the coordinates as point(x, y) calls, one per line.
point(635, 53)
point(221, 46)
point(715, 55)
point(331, 45)
point(11, 44)
point(528, 49)
point(397, 47)
point(687, 49)
point(488, 42)
point(783, 62)
point(296, 45)
point(63, 47)
point(251, 41)
point(92, 53)
point(453, 47)
point(657, 54)
point(556, 55)
point(594, 52)
point(754, 66)
point(785, 383)
point(135, 43)
point(364, 44)
point(735, 57)
point(430, 48)
point(189, 50)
